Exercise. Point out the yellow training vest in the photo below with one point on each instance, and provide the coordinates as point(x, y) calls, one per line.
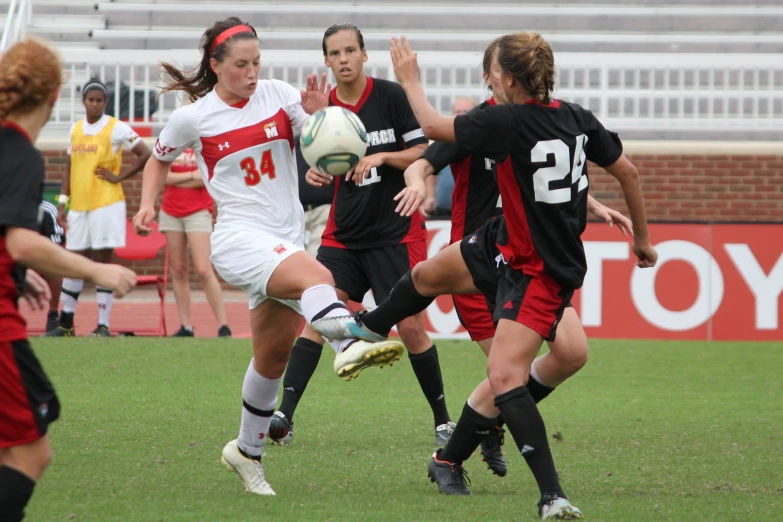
point(89, 192)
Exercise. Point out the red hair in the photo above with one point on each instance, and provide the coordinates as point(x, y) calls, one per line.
point(30, 73)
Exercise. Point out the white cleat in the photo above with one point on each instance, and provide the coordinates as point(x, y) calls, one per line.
point(345, 327)
point(559, 508)
point(361, 354)
point(251, 471)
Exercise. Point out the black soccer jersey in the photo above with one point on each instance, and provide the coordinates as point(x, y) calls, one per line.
point(476, 196)
point(363, 216)
point(544, 185)
point(21, 191)
point(49, 226)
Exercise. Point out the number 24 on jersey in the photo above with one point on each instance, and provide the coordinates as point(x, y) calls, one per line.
point(252, 174)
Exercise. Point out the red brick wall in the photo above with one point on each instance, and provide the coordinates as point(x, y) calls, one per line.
point(677, 187)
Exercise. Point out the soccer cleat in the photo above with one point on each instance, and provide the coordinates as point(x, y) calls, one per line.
point(60, 332)
point(52, 321)
point(362, 354)
point(552, 507)
point(183, 332)
point(345, 327)
point(224, 331)
point(101, 331)
point(452, 479)
point(281, 430)
point(250, 470)
point(491, 453)
point(443, 433)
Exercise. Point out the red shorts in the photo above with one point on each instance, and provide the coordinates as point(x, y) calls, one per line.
point(28, 403)
point(537, 302)
point(475, 315)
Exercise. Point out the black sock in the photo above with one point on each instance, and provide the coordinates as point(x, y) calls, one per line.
point(527, 427)
point(403, 301)
point(427, 369)
point(538, 391)
point(66, 319)
point(16, 488)
point(304, 359)
point(52, 314)
point(471, 429)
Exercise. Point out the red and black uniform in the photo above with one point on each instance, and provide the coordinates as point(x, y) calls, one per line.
point(474, 201)
point(366, 244)
point(533, 259)
point(28, 403)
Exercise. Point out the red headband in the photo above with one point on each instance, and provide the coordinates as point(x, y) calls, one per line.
point(228, 33)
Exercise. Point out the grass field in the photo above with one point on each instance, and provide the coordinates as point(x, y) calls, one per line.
point(648, 431)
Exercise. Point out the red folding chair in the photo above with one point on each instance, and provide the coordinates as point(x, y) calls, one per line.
point(147, 247)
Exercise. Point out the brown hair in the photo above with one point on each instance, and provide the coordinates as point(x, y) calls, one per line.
point(203, 79)
point(336, 28)
point(30, 73)
point(529, 59)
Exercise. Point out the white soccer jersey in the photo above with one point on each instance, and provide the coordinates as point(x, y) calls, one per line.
point(245, 155)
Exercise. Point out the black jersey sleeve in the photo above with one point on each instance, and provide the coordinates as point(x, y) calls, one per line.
point(21, 191)
point(603, 147)
point(404, 121)
point(441, 154)
point(487, 131)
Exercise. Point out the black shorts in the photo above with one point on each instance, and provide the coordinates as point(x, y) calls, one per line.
point(537, 301)
point(377, 269)
point(29, 403)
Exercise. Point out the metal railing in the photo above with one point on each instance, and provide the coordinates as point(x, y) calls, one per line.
point(702, 92)
point(20, 13)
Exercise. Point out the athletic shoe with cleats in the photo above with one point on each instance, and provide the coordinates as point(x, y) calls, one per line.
point(250, 470)
point(184, 332)
point(452, 479)
point(491, 453)
point(443, 433)
point(281, 430)
point(552, 507)
point(345, 327)
point(224, 331)
point(101, 331)
point(52, 322)
point(60, 332)
point(362, 354)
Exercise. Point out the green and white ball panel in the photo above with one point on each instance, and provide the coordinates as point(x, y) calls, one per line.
point(333, 140)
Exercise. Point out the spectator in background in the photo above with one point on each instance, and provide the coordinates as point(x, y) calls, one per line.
point(49, 227)
point(440, 187)
point(93, 185)
point(186, 219)
point(316, 202)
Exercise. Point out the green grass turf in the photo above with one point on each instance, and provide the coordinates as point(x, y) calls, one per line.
point(648, 431)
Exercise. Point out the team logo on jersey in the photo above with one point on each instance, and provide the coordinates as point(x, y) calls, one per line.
point(225, 145)
point(279, 249)
point(84, 148)
point(381, 137)
point(488, 164)
point(271, 129)
point(500, 259)
point(162, 150)
point(472, 239)
point(43, 410)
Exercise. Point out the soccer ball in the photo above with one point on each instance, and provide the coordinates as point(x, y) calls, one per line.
point(333, 140)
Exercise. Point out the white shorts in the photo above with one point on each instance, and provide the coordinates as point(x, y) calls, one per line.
point(246, 259)
point(98, 229)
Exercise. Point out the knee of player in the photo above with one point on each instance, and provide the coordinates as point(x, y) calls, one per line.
point(424, 278)
point(205, 272)
point(321, 275)
point(179, 269)
point(574, 358)
point(504, 377)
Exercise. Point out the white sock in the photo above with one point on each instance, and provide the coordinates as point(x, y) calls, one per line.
point(70, 293)
point(534, 374)
point(104, 298)
point(318, 297)
point(259, 398)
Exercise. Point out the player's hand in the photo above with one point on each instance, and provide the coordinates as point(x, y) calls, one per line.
point(645, 253)
point(36, 291)
point(317, 178)
point(406, 65)
point(316, 96)
point(142, 220)
point(611, 217)
point(106, 174)
point(362, 169)
point(62, 216)
point(427, 206)
point(118, 278)
point(411, 196)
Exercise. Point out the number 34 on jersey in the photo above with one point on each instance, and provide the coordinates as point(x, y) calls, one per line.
point(254, 170)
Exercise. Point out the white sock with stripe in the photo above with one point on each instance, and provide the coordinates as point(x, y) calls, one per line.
point(104, 298)
point(259, 398)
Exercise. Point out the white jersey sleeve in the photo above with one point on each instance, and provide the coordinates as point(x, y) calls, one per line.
point(70, 138)
point(293, 105)
point(180, 133)
point(122, 135)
